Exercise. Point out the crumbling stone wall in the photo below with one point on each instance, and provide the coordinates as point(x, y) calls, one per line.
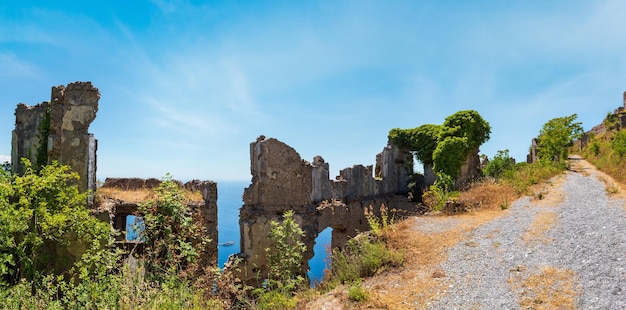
point(601, 129)
point(282, 181)
point(59, 129)
point(115, 211)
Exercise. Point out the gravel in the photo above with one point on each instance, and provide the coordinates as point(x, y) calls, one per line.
point(588, 238)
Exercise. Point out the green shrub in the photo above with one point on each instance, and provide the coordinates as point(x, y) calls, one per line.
point(175, 237)
point(285, 255)
point(618, 144)
point(356, 292)
point(363, 257)
point(275, 300)
point(595, 148)
point(43, 214)
point(500, 163)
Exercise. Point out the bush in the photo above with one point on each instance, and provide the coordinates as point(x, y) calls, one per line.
point(618, 144)
point(175, 237)
point(500, 163)
point(356, 292)
point(285, 255)
point(43, 214)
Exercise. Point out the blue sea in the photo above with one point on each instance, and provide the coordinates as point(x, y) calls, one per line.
point(228, 203)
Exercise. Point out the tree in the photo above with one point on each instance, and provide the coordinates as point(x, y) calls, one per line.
point(461, 134)
point(556, 136)
point(42, 215)
point(500, 163)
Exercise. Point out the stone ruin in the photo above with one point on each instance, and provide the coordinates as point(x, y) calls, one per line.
point(58, 131)
point(116, 211)
point(282, 181)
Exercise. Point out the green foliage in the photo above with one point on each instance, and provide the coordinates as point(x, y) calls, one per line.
point(446, 146)
point(450, 155)
point(461, 133)
point(618, 144)
point(524, 175)
point(42, 214)
point(366, 254)
point(275, 300)
point(466, 124)
point(556, 136)
point(356, 292)
point(421, 140)
point(440, 192)
point(595, 148)
point(500, 163)
point(611, 120)
point(285, 255)
point(175, 237)
point(42, 134)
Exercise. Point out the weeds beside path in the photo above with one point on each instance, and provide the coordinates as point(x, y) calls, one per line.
point(565, 251)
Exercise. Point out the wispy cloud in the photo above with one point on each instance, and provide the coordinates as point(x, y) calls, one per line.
point(14, 67)
point(5, 158)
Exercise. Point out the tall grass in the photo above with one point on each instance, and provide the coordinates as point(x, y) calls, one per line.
point(605, 152)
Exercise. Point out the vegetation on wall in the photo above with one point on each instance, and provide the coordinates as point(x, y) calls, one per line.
point(43, 214)
point(42, 134)
point(446, 146)
point(174, 237)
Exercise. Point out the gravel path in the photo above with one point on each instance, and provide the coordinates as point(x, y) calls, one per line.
point(585, 233)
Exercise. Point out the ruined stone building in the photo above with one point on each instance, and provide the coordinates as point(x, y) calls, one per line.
point(122, 214)
point(282, 181)
point(59, 130)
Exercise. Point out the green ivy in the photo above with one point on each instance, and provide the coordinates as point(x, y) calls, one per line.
point(43, 134)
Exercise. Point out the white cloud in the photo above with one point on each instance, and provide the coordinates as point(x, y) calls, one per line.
point(14, 67)
point(4, 158)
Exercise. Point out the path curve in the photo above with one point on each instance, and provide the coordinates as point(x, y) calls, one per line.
point(573, 249)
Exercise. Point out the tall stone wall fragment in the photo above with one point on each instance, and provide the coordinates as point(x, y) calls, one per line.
point(66, 138)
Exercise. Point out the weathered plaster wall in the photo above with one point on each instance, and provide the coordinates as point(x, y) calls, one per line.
point(26, 138)
point(71, 111)
point(282, 181)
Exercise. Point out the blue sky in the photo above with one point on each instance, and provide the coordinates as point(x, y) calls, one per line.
point(187, 85)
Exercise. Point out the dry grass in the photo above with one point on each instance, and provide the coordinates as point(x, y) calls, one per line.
point(139, 195)
point(551, 288)
point(134, 196)
point(488, 196)
point(421, 280)
point(542, 222)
